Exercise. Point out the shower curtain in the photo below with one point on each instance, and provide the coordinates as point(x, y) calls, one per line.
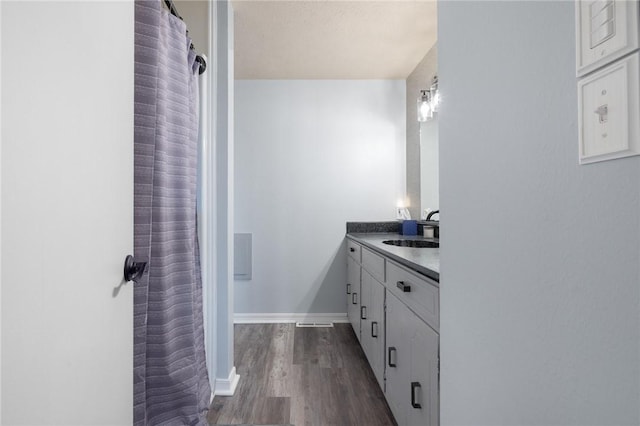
point(171, 385)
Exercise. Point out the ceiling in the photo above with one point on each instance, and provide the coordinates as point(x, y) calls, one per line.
point(322, 39)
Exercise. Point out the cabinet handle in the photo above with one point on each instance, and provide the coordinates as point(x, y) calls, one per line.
point(391, 348)
point(414, 386)
point(404, 287)
point(363, 312)
point(376, 333)
point(348, 288)
point(351, 249)
point(354, 298)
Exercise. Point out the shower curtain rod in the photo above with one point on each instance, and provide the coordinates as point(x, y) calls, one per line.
point(174, 12)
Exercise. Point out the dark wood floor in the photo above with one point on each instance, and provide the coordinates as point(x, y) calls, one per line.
point(301, 376)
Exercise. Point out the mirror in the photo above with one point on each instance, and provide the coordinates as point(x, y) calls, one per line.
point(429, 171)
point(423, 187)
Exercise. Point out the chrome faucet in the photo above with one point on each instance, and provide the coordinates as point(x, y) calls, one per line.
point(432, 213)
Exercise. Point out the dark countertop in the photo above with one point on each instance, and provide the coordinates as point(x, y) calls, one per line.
point(425, 261)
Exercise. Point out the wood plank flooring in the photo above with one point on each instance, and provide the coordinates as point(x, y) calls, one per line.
point(303, 377)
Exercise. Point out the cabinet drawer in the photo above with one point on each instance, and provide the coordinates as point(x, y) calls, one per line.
point(374, 264)
point(354, 250)
point(416, 292)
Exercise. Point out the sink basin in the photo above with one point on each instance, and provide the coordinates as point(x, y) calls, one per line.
point(413, 243)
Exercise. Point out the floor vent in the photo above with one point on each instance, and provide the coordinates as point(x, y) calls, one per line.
point(314, 324)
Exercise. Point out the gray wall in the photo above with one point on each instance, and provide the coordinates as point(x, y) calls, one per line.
point(540, 256)
point(310, 156)
point(419, 79)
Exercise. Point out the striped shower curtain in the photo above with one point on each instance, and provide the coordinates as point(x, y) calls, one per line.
point(171, 386)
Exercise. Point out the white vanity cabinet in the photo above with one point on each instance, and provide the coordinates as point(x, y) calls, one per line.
point(395, 314)
point(372, 324)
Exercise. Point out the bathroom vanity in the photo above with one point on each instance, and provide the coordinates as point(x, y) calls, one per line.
point(393, 306)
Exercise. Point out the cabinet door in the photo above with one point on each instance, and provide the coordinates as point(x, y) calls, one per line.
point(67, 212)
point(353, 294)
point(372, 324)
point(366, 284)
point(423, 374)
point(397, 359)
point(411, 366)
point(375, 330)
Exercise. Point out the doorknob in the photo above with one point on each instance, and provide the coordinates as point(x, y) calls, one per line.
point(133, 270)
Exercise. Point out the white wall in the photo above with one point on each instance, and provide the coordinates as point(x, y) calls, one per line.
point(540, 257)
point(0, 221)
point(226, 379)
point(310, 156)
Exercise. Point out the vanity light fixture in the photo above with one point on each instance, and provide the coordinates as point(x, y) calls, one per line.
point(435, 94)
point(425, 113)
point(429, 101)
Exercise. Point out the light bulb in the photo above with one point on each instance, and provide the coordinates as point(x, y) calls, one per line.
point(435, 94)
point(435, 102)
point(425, 111)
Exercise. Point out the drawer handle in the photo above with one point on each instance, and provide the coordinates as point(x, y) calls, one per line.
point(404, 287)
point(414, 386)
point(363, 312)
point(391, 349)
point(348, 288)
point(351, 249)
point(354, 298)
point(374, 323)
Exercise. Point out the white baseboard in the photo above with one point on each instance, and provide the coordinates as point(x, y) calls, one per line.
point(227, 387)
point(288, 318)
